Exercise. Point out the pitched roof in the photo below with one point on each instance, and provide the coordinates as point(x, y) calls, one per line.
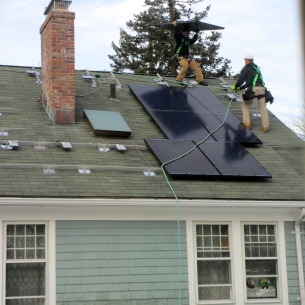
point(281, 152)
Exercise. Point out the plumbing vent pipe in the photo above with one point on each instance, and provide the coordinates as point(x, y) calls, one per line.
point(112, 91)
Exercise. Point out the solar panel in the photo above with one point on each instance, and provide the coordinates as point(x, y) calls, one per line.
point(193, 164)
point(233, 130)
point(159, 98)
point(208, 99)
point(232, 159)
point(192, 104)
point(179, 125)
point(192, 25)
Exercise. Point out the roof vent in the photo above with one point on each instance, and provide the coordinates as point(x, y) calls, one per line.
point(57, 5)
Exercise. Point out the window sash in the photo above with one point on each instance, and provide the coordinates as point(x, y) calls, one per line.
point(34, 267)
point(212, 246)
point(261, 248)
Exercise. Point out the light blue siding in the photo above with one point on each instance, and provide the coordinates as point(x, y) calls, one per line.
point(292, 266)
point(120, 263)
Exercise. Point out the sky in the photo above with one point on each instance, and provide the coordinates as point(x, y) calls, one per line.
point(268, 29)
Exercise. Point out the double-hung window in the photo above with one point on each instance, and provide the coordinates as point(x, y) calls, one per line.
point(25, 264)
point(261, 261)
point(214, 279)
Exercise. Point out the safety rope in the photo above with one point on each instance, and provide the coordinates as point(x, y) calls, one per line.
point(177, 200)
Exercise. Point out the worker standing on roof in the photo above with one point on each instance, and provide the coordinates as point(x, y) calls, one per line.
point(252, 79)
point(182, 52)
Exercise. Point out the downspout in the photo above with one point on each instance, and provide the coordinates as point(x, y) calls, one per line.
point(299, 255)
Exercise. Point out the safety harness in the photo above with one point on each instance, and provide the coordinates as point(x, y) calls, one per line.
point(258, 74)
point(181, 45)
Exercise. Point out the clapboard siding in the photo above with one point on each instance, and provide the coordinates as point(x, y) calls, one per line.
point(119, 263)
point(292, 266)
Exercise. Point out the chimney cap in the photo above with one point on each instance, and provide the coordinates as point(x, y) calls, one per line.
point(57, 4)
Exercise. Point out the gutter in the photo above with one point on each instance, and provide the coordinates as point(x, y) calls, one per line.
point(299, 256)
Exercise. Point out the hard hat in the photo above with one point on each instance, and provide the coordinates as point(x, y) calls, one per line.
point(249, 56)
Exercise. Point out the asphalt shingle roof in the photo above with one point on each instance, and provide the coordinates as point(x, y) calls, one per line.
point(281, 153)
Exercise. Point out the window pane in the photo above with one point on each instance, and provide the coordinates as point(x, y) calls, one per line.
point(262, 230)
point(26, 302)
point(254, 251)
point(40, 229)
point(30, 242)
point(30, 230)
point(207, 230)
point(253, 229)
point(271, 251)
point(261, 288)
point(30, 254)
point(263, 250)
point(40, 254)
point(213, 272)
point(215, 230)
point(247, 229)
point(19, 242)
point(10, 254)
point(254, 238)
point(225, 242)
point(199, 242)
point(261, 267)
point(224, 230)
point(216, 243)
point(263, 238)
point(207, 243)
point(20, 229)
point(25, 279)
point(10, 242)
point(10, 230)
point(214, 293)
point(270, 229)
point(20, 254)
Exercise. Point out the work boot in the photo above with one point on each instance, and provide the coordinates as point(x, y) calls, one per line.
point(248, 125)
point(183, 82)
point(203, 83)
point(265, 129)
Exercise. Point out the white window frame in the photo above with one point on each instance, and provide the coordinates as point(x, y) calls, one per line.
point(49, 260)
point(230, 258)
point(278, 258)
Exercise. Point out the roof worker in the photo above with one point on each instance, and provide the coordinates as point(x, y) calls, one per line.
point(252, 79)
point(182, 51)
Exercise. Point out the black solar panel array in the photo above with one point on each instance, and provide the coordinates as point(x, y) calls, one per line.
point(206, 109)
point(187, 116)
point(229, 159)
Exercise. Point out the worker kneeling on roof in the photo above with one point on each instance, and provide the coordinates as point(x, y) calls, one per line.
point(252, 79)
point(183, 43)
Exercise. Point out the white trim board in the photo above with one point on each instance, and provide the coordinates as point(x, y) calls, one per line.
point(116, 212)
point(149, 202)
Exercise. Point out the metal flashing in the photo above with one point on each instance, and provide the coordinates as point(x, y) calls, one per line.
point(107, 123)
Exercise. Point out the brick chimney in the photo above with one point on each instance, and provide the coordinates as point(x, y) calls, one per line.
point(58, 62)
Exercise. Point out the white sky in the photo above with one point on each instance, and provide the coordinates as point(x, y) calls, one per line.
point(268, 29)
